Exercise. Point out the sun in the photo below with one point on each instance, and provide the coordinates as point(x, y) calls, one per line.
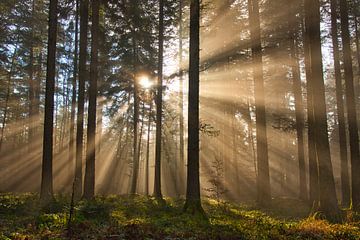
point(145, 82)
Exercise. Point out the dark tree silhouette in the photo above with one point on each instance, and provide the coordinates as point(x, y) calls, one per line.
point(73, 95)
point(351, 107)
point(193, 200)
point(89, 183)
point(345, 184)
point(263, 178)
point(327, 196)
point(157, 181)
point(46, 192)
point(84, 12)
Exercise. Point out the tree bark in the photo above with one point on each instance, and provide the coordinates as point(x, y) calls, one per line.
point(46, 192)
point(72, 146)
point(313, 170)
point(89, 183)
point(32, 102)
point(328, 202)
point(351, 106)
point(157, 180)
point(299, 109)
point(345, 184)
point(148, 152)
point(181, 98)
point(84, 12)
point(193, 200)
point(263, 178)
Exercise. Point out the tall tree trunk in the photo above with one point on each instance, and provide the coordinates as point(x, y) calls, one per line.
point(72, 148)
point(263, 178)
point(89, 183)
point(345, 184)
point(299, 109)
point(31, 86)
point(46, 192)
point(84, 13)
point(313, 169)
point(148, 151)
point(351, 106)
point(327, 194)
point(157, 180)
point(181, 98)
point(193, 200)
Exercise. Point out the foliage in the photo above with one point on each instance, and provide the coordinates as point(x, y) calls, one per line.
point(139, 217)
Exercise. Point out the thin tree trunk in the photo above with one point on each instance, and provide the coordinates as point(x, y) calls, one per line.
point(157, 180)
point(263, 179)
point(47, 175)
point(72, 147)
point(181, 97)
point(327, 195)
point(299, 109)
point(345, 184)
point(140, 136)
point(351, 106)
point(89, 183)
point(84, 12)
point(148, 152)
point(135, 169)
point(31, 86)
point(193, 199)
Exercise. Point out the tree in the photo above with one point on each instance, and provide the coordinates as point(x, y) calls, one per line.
point(157, 181)
point(327, 196)
point(89, 183)
point(47, 177)
point(84, 12)
point(193, 200)
point(181, 94)
point(345, 185)
point(263, 178)
point(299, 115)
point(351, 107)
point(72, 147)
point(313, 169)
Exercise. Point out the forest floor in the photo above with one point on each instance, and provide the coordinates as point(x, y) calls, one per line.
point(138, 217)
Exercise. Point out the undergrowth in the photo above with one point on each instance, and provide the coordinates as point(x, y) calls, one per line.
point(139, 217)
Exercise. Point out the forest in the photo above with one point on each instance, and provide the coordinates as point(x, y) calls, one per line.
point(179, 119)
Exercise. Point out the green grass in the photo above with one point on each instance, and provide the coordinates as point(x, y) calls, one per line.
point(138, 217)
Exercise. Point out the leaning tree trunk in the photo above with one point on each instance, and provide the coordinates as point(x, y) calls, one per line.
point(46, 192)
point(345, 184)
point(84, 12)
point(157, 180)
point(263, 178)
point(89, 183)
point(135, 167)
point(193, 200)
point(351, 106)
point(327, 195)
